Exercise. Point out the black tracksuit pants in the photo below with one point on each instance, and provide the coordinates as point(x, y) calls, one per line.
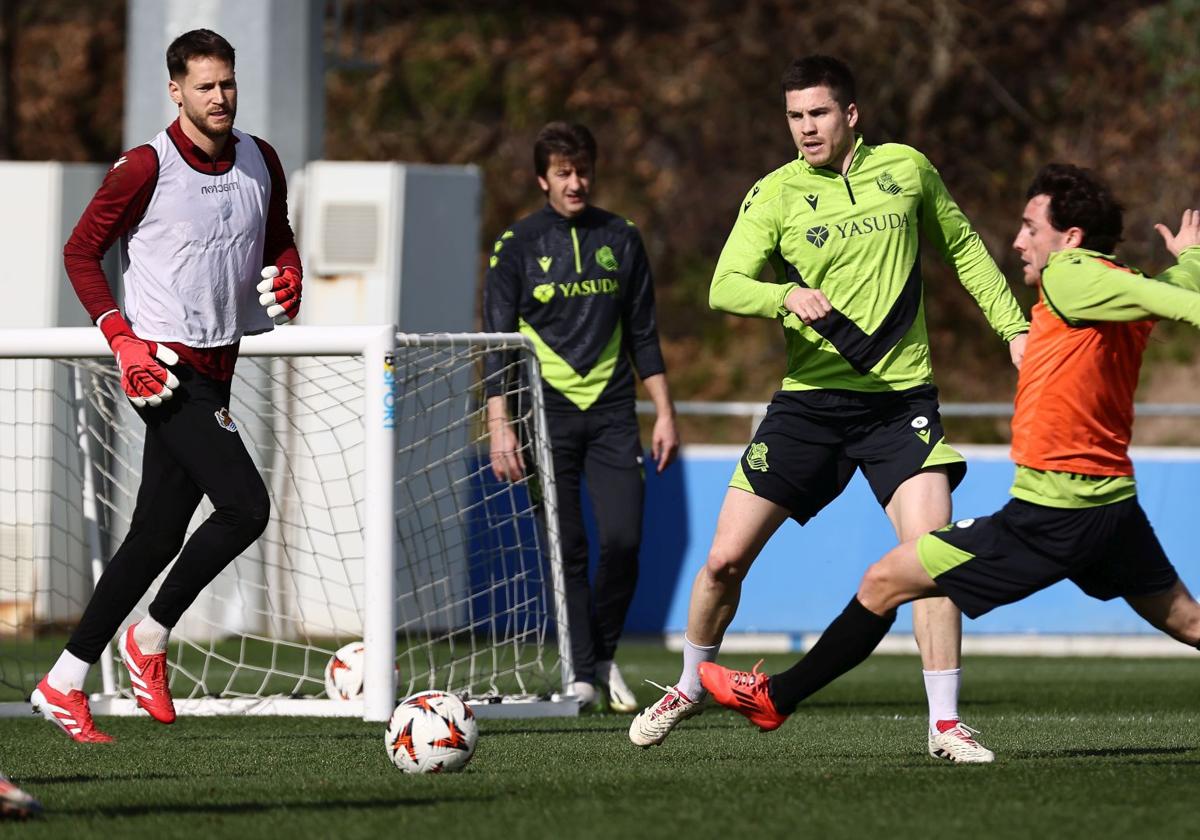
point(191, 450)
point(604, 447)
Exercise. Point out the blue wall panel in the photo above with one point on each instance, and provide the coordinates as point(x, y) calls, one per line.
point(806, 575)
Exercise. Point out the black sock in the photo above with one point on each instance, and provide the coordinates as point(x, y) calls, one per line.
point(844, 644)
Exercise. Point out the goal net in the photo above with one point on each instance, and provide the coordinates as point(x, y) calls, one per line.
point(386, 525)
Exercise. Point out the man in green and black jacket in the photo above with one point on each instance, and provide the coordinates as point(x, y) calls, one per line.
point(576, 281)
point(840, 226)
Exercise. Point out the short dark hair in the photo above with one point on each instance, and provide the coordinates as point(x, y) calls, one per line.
point(572, 141)
point(814, 70)
point(199, 43)
point(1078, 198)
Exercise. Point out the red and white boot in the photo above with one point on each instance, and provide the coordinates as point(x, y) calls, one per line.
point(148, 676)
point(69, 712)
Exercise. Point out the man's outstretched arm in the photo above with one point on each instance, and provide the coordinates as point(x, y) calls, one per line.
point(1083, 288)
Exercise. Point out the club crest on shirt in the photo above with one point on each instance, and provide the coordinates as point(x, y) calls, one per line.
point(224, 420)
point(606, 259)
point(886, 184)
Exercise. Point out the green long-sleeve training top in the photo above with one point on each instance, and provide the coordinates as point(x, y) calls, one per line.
point(855, 237)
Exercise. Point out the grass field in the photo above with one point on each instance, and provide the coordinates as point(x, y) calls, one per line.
point(1086, 748)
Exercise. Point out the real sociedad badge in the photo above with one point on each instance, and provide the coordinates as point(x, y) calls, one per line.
point(225, 421)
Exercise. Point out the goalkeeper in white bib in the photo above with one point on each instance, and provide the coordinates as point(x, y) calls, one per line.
point(200, 216)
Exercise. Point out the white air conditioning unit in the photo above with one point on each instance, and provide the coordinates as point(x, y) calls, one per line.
point(390, 242)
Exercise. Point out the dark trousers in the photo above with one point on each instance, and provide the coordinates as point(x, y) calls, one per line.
point(606, 449)
point(190, 452)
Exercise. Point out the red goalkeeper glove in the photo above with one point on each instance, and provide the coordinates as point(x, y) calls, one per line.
point(144, 376)
point(280, 293)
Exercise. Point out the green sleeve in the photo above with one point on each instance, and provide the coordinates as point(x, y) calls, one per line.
point(752, 243)
point(947, 228)
point(1081, 289)
point(1186, 273)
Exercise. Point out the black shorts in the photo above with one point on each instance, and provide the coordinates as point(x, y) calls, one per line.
point(807, 448)
point(1108, 551)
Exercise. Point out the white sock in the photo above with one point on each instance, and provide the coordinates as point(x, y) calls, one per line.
point(607, 672)
point(941, 687)
point(68, 673)
point(693, 655)
point(151, 637)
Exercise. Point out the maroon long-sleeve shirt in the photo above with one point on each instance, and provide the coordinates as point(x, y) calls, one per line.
point(118, 207)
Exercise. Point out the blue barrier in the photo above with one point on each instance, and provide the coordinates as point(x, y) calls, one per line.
point(806, 575)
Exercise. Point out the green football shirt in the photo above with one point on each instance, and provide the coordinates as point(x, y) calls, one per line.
point(855, 237)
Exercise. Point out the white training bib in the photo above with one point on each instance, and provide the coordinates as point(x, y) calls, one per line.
point(193, 261)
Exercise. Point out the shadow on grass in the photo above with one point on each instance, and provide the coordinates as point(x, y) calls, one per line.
point(1114, 752)
point(919, 702)
point(275, 738)
point(698, 724)
point(231, 808)
point(562, 730)
point(106, 777)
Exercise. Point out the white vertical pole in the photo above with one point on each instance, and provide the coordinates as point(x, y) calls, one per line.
point(379, 602)
point(91, 518)
point(545, 462)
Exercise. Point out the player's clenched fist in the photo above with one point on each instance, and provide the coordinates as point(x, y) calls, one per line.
point(807, 304)
point(280, 293)
point(144, 375)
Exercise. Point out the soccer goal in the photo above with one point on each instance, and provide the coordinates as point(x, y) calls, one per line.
point(386, 525)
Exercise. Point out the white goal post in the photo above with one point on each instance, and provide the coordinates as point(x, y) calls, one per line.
point(386, 525)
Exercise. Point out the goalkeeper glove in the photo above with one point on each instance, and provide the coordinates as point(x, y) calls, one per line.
point(280, 293)
point(143, 375)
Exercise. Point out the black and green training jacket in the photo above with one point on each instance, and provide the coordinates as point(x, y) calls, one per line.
point(581, 290)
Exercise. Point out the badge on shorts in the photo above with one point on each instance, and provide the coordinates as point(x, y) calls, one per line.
point(224, 420)
point(921, 425)
point(756, 457)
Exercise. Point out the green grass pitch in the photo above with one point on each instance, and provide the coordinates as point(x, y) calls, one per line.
point(1086, 748)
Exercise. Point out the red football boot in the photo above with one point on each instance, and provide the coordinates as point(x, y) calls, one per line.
point(16, 803)
point(69, 712)
point(744, 692)
point(148, 677)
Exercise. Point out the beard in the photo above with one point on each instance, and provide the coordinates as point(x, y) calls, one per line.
point(203, 122)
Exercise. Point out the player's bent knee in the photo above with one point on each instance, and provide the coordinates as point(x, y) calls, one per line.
point(257, 518)
point(160, 544)
point(1188, 630)
point(880, 589)
point(874, 582)
point(725, 568)
point(251, 513)
point(624, 543)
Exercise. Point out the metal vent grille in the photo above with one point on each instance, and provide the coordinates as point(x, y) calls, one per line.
point(349, 236)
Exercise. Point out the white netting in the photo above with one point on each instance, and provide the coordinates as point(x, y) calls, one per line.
point(475, 599)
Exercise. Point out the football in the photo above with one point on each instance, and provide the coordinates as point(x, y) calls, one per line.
point(344, 673)
point(431, 732)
